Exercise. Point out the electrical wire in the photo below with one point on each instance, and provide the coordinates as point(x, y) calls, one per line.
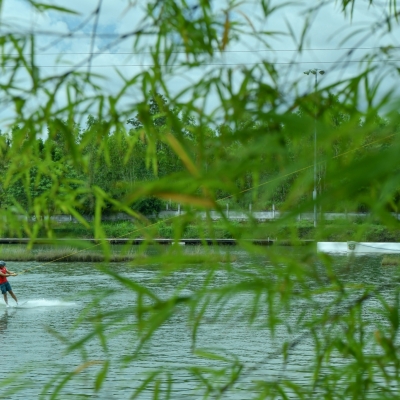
point(199, 65)
point(204, 52)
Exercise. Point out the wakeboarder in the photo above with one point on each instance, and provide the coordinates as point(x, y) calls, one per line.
point(4, 284)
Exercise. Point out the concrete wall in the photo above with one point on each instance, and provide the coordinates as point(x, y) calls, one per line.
point(231, 215)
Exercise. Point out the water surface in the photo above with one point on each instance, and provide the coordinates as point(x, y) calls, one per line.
point(52, 297)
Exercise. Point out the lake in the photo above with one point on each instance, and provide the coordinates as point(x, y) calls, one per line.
point(53, 296)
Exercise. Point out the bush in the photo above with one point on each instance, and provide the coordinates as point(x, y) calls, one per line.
point(380, 233)
point(191, 231)
point(148, 206)
point(122, 229)
point(164, 230)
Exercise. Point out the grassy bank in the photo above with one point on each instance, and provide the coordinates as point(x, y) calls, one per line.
point(343, 231)
point(62, 254)
point(390, 261)
point(335, 231)
point(304, 230)
point(49, 253)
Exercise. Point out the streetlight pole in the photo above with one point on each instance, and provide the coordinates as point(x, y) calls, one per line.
point(315, 72)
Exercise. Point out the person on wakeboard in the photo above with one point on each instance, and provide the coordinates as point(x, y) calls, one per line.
point(4, 284)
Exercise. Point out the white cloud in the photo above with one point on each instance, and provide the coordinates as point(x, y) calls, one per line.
point(326, 35)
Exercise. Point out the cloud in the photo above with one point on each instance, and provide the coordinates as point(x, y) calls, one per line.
point(324, 47)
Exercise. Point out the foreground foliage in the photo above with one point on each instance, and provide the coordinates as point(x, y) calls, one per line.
point(260, 143)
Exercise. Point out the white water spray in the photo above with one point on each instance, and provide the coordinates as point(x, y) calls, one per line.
point(35, 303)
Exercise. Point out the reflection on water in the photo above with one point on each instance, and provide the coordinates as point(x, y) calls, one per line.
point(4, 320)
point(55, 297)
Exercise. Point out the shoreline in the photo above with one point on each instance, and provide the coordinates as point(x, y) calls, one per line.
point(161, 241)
point(182, 241)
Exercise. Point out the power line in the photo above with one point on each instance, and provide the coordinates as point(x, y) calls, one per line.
point(80, 35)
point(66, 35)
point(204, 52)
point(194, 64)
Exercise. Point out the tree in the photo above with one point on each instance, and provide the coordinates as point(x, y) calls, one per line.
point(151, 112)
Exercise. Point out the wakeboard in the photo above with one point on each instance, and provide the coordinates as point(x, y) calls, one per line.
point(20, 305)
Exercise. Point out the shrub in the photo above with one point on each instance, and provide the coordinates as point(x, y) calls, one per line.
point(164, 230)
point(148, 206)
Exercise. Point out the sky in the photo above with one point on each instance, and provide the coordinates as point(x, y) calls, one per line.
point(335, 43)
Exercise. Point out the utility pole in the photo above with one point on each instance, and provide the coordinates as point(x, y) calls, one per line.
point(315, 72)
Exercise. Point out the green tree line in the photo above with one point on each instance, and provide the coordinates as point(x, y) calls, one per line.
point(118, 162)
